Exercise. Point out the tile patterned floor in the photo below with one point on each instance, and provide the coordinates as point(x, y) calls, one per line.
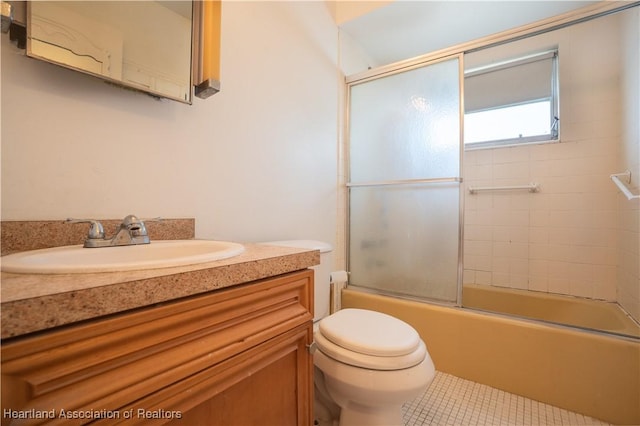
point(451, 400)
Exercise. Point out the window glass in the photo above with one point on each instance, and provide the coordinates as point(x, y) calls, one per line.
point(512, 102)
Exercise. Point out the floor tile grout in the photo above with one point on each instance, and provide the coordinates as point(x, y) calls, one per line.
point(451, 400)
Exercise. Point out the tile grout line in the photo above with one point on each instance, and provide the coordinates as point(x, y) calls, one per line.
point(451, 400)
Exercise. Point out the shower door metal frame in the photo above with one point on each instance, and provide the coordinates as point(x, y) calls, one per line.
point(402, 182)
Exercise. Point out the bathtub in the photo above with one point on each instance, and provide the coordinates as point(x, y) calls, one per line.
point(586, 372)
point(574, 311)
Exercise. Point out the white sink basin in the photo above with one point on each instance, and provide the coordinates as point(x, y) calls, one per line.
point(157, 254)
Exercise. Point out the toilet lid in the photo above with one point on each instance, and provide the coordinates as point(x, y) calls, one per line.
point(370, 333)
point(370, 362)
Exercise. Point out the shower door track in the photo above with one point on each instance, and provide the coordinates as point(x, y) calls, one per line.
point(407, 182)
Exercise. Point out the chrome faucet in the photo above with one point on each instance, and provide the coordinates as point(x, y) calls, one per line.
point(130, 232)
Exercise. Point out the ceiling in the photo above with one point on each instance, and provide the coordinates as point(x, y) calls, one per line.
point(408, 28)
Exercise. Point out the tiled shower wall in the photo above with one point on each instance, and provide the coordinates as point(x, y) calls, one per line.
point(578, 235)
point(562, 239)
point(629, 211)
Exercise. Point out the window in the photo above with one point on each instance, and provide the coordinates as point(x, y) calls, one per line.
point(512, 102)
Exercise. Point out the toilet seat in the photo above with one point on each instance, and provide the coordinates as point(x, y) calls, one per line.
point(370, 339)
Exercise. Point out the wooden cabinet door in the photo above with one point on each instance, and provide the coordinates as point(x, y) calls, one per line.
point(271, 385)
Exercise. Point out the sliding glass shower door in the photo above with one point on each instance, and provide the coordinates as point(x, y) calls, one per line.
point(404, 182)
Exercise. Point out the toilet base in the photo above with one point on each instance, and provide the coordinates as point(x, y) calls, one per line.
point(359, 415)
point(372, 397)
point(325, 411)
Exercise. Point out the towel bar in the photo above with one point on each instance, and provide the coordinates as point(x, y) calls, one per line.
point(532, 187)
point(624, 186)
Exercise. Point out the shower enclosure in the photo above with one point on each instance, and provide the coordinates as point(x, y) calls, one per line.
point(574, 235)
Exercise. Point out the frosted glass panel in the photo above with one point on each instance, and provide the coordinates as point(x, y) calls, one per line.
point(406, 126)
point(404, 234)
point(404, 239)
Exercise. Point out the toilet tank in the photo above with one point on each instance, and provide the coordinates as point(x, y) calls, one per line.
point(321, 272)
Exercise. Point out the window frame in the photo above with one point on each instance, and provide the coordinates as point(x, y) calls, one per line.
point(554, 111)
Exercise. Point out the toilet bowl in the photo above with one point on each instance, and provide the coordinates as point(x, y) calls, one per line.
point(372, 364)
point(367, 364)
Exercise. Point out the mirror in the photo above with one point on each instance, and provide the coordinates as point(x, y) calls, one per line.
point(144, 45)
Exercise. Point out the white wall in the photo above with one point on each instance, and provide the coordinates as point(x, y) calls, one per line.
point(257, 161)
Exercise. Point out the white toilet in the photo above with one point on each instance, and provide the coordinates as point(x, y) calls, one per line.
point(368, 363)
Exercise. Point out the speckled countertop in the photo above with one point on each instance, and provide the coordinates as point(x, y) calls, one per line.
point(35, 302)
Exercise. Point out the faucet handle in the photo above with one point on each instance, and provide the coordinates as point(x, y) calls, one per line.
point(133, 219)
point(96, 230)
point(143, 221)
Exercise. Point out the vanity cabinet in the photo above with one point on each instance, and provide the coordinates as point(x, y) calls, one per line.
point(236, 356)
